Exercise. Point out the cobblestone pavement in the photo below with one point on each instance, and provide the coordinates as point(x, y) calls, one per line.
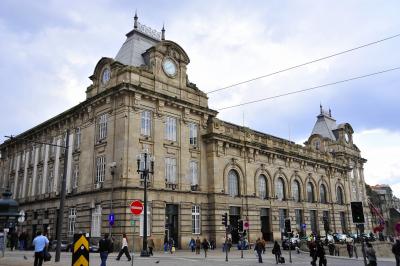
point(183, 258)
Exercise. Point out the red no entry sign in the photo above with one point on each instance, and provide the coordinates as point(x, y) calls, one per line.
point(136, 207)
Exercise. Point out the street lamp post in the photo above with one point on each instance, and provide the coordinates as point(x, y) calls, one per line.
point(144, 172)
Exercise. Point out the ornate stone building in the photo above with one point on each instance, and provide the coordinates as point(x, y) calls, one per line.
point(204, 167)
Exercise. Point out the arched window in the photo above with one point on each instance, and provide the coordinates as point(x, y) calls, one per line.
point(322, 193)
point(296, 190)
point(262, 189)
point(280, 189)
point(339, 196)
point(233, 183)
point(310, 192)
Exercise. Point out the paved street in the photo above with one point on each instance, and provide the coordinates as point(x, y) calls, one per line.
point(16, 258)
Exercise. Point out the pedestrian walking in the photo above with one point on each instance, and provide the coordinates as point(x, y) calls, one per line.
point(192, 244)
point(150, 245)
point(13, 240)
point(371, 255)
point(105, 247)
point(124, 248)
point(171, 245)
point(320, 253)
point(40, 242)
point(206, 246)
point(198, 245)
point(276, 250)
point(259, 248)
point(312, 246)
point(22, 240)
point(396, 251)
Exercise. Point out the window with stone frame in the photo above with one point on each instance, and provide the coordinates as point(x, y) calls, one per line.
point(310, 192)
point(78, 135)
point(102, 127)
point(170, 170)
point(262, 187)
point(75, 176)
point(145, 125)
point(193, 131)
point(194, 175)
point(170, 128)
point(233, 183)
point(296, 191)
point(322, 194)
point(100, 169)
point(280, 189)
point(95, 230)
point(71, 221)
point(339, 196)
point(196, 219)
point(50, 180)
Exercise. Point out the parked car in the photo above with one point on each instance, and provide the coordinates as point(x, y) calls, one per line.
point(330, 239)
point(295, 243)
point(94, 247)
point(65, 245)
point(339, 238)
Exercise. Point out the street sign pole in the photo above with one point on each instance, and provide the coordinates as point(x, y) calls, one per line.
point(133, 238)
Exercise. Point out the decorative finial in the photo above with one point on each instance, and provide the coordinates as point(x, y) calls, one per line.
point(330, 113)
point(320, 108)
point(163, 33)
point(135, 18)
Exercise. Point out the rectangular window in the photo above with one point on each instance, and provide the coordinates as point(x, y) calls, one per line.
point(53, 146)
point(50, 181)
point(141, 222)
point(196, 219)
point(96, 222)
point(194, 179)
point(299, 219)
point(39, 184)
point(343, 222)
point(170, 128)
point(282, 217)
point(313, 221)
point(145, 128)
point(100, 169)
point(32, 155)
point(193, 134)
point(102, 127)
point(170, 170)
point(77, 138)
point(42, 151)
point(71, 221)
point(75, 176)
point(20, 186)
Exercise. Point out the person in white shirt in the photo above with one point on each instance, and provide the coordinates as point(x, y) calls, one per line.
point(40, 242)
point(124, 248)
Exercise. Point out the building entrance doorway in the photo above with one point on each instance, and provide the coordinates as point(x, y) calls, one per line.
point(171, 223)
point(266, 224)
point(234, 217)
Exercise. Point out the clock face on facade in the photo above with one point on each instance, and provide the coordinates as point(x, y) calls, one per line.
point(169, 67)
point(106, 75)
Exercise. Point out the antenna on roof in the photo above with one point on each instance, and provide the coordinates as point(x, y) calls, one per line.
point(135, 19)
point(163, 33)
point(320, 108)
point(330, 113)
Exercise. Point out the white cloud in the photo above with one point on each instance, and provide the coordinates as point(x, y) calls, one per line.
point(381, 148)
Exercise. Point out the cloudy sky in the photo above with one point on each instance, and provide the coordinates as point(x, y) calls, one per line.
point(49, 48)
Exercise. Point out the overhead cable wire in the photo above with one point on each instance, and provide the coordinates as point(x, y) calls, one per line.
point(309, 89)
point(304, 64)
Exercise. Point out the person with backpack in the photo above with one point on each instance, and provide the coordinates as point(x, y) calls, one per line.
point(396, 251)
point(259, 248)
point(105, 247)
point(276, 250)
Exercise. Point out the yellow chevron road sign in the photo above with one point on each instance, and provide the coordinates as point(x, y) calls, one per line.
point(80, 255)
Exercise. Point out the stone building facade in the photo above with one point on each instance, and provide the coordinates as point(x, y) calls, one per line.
point(142, 100)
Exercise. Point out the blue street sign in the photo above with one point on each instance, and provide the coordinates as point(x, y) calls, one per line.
point(111, 218)
point(303, 226)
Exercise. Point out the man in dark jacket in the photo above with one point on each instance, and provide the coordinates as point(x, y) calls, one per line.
point(320, 253)
point(105, 247)
point(259, 249)
point(396, 251)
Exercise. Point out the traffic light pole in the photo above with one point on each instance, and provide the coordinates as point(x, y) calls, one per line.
point(290, 247)
point(226, 243)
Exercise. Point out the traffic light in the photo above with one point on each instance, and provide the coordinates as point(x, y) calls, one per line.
point(357, 212)
point(225, 219)
point(240, 226)
point(288, 228)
